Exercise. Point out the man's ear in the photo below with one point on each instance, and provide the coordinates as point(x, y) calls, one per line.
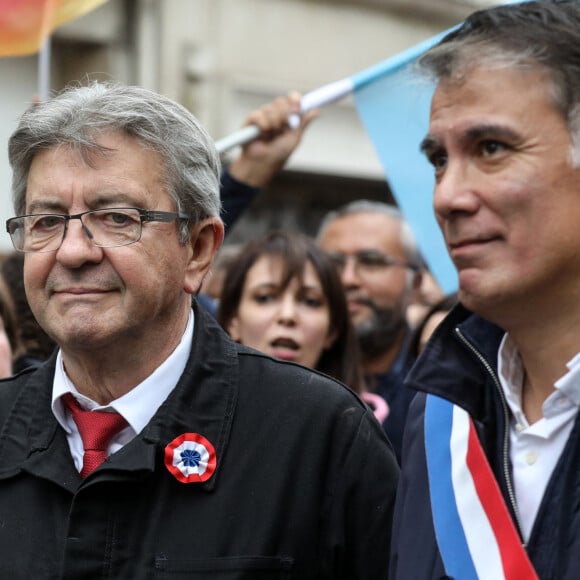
point(205, 240)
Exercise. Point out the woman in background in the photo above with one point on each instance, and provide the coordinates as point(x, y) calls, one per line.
point(283, 296)
point(34, 346)
point(9, 342)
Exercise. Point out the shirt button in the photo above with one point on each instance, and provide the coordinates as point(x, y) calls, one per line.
point(531, 457)
point(519, 427)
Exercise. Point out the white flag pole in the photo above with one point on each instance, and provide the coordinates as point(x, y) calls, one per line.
point(317, 98)
point(240, 137)
point(44, 70)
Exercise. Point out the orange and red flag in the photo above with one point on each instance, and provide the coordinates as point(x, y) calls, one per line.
point(25, 24)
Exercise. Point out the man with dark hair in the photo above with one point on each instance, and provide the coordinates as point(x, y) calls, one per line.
point(490, 485)
point(149, 444)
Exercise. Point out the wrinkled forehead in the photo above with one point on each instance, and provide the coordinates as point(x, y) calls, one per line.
point(118, 171)
point(365, 231)
point(501, 88)
point(489, 103)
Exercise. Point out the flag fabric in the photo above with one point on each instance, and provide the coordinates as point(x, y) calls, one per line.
point(394, 109)
point(476, 535)
point(25, 24)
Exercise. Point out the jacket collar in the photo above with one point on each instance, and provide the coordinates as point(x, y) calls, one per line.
point(459, 361)
point(203, 402)
point(205, 398)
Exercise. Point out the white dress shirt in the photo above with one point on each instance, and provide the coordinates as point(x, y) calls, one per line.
point(535, 449)
point(137, 406)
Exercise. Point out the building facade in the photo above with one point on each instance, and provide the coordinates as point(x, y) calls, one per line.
point(223, 58)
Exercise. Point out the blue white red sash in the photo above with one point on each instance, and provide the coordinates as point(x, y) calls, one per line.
point(475, 533)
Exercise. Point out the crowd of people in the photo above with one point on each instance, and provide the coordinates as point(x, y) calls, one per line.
point(297, 407)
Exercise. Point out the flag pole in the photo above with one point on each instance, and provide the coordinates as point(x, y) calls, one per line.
point(336, 90)
point(318, 97)
point(240, 137)
point(44, 70)
point(44, 52)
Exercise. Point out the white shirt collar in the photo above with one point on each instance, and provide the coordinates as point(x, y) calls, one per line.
point(535, 449)
point(569, 384)
point(510, 372)
point(511, 376)
point(138, 405)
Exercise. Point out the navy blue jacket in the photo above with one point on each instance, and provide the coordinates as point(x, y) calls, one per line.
point(303, 489)
point(460, 364)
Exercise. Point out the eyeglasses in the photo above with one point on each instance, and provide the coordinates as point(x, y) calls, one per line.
point(368, 262)
point(106, 228)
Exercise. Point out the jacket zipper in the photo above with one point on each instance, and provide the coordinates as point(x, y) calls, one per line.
point(506, 434)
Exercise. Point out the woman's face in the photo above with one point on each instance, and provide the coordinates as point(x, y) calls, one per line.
point(291, 323)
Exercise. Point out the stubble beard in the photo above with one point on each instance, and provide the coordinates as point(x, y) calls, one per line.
point(380, 331)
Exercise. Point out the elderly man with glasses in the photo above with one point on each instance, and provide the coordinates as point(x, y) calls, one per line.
point(150, 445)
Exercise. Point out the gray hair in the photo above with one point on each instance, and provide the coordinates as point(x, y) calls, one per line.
point(536, 35)
point(78, 115)
point(408, 242)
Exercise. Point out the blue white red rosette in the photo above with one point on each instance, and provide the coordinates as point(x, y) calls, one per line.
point(190, 458)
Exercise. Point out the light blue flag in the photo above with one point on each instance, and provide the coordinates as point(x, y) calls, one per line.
point(393, 103)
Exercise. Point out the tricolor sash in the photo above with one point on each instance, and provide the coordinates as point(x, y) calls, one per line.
point(476, 535)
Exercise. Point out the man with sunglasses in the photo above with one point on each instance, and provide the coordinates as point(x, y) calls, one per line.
point(379, 264)
point(150, 445)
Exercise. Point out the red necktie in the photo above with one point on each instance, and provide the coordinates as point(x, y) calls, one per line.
point(96, 428)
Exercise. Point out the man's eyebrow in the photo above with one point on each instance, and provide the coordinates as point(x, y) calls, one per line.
point(110, 199)
point(491, 130)
point(45, 206)
point(483, 131)
point(99, 201)
point(429, 144)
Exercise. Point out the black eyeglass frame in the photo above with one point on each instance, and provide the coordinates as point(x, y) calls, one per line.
point(380, 260)
point(144, 214)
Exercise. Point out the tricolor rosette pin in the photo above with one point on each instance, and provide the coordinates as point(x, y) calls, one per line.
point(190, 458)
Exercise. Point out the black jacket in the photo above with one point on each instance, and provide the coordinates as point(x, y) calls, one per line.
point(304, 484)
point(236, 197)
point(460, 364)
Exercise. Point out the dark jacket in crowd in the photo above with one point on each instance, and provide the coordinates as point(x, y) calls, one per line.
point(303, 488)
point(236, 197)
point(460, 364)
point(390, 387)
